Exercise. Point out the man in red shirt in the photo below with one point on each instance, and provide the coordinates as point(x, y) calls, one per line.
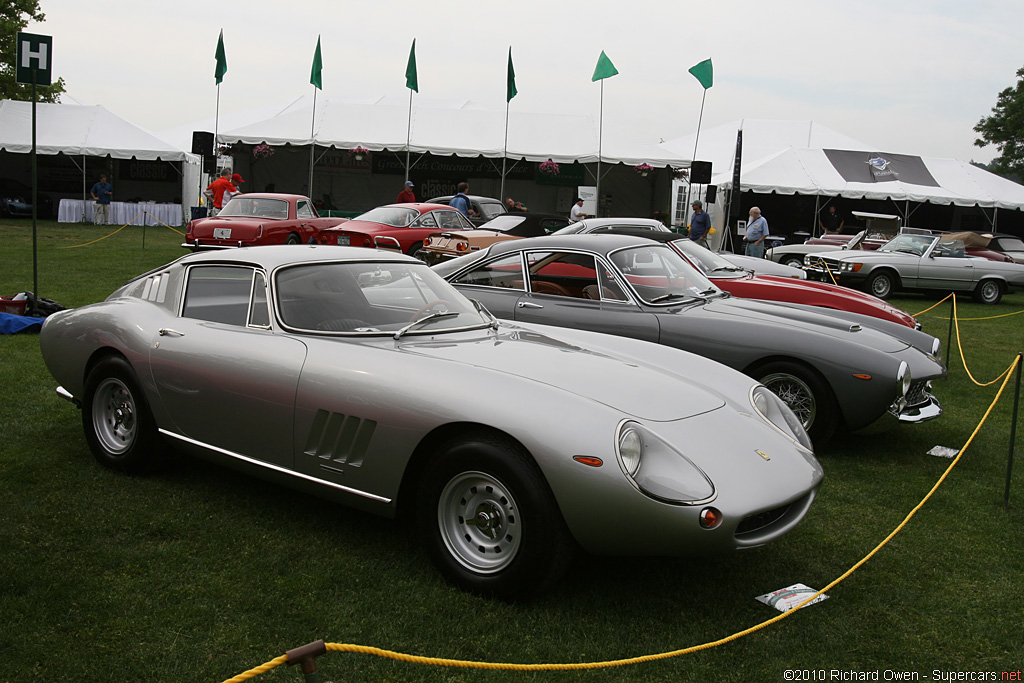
point(218, 187)
point(406, 196)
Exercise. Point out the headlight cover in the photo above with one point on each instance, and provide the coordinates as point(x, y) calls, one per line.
point(775, 412)
point(903, 379)
point(659, 470)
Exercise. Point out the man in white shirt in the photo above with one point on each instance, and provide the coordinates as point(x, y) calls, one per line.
point(576, 213)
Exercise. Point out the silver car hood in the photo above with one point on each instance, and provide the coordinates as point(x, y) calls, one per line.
point(619, 381)
point(809, 320)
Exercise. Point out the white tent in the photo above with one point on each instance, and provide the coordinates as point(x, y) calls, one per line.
point(91, 131)
point(449, 128)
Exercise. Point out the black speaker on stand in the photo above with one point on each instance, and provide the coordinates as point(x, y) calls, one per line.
point(202, 142)
point(711, 194)
point(700, 172)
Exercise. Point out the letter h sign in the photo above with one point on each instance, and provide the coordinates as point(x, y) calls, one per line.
point(35, 53)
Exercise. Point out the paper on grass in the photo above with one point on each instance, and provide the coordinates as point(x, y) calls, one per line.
point(789, 597)
point(944, 451)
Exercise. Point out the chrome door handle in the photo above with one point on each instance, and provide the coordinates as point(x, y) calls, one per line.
point(168, 332)
point(528, 304)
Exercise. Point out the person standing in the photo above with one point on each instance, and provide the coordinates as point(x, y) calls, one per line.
point(831, 222)
point(700, 223)
point(102, 191)
point(576, 212)
point(215, 191)
point(757, 231)
point(406, 196)
point(461, 201)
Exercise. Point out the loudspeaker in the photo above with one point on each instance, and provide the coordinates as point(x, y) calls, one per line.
point(209, 164)
point(700, 172)
point(202, 142)
point(711, 194)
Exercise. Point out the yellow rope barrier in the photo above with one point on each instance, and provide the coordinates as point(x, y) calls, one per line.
point(574, 666)
point(821, 262)
point(936, 305)
point(144, 213)
point(960, 346)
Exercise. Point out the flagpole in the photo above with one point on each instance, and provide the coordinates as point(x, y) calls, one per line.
point(600, 135)
point(408, 136)
point(312, 145)
point(504, 155)
point(216, 131)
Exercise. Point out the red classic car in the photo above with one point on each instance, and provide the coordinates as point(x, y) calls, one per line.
point(257, 219)
point(401, 227)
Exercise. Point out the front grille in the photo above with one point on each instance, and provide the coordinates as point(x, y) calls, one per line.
point(918, 393)
point(761, 520)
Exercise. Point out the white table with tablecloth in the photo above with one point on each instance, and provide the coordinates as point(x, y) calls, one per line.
point(121, 213)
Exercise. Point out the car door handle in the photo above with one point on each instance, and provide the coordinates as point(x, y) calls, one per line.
point(528, 304)
point(168, 332)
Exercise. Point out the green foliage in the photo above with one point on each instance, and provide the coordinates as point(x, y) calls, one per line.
point(1005, 129)
point(14, 16)
point(199, 573)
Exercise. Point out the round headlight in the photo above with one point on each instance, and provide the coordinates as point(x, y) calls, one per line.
point(936, 345)
point(903, 379)
point(630, 449)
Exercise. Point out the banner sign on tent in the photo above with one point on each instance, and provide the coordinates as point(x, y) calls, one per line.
point(873, 167)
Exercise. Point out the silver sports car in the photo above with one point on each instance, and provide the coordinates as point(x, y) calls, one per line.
point(918, 263)
point(365, 377)
point(832, 368)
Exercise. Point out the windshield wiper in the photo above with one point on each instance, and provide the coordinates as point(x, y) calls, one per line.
point(728, 269)
point(673, 295)
point(483, 309)
point(432, 316)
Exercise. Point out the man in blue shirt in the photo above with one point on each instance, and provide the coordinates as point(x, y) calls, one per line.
point(757, 230)
point(461, 201)
point(102, 192)
point(700, 222)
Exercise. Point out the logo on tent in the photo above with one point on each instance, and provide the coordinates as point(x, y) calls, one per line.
point(880, 166)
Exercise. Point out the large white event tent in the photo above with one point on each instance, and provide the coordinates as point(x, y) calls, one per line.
point(91, 131)
point(800, 157)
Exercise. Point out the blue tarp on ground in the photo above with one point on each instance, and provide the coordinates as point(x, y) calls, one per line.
point(12, 324)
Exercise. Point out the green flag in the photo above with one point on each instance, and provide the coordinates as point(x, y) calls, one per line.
point(605, 68)
point(411, 81)
point(222, 60)
point(703, 73)
point(511, 91)
point(315, 76)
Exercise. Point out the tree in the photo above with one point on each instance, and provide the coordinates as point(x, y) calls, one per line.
point(14, 16)
point(1005, 129)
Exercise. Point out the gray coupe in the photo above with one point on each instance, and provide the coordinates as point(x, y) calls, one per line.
point(830, 367)
point(918, 263)
point(365, 377)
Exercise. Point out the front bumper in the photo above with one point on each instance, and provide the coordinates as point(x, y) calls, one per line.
point(919, 405)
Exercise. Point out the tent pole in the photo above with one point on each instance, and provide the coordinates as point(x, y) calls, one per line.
point(83, 189)
point(995, 218)
point(817, 208)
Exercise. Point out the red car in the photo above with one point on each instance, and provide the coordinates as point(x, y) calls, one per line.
point(259, 218)
point(401, 227)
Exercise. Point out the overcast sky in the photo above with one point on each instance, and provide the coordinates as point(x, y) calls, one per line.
point(909, 76)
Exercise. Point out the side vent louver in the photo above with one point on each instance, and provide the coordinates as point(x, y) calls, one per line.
point(338, 438)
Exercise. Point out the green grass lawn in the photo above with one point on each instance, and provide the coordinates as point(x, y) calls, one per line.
point(197, 574)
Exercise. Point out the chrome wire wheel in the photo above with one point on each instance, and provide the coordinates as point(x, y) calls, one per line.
point(795, 393)
point(479, 522)
point(114, 416)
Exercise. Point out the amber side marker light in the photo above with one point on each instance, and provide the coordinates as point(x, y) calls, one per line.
point(863, 376)
point(587, 460)
point(710, 518)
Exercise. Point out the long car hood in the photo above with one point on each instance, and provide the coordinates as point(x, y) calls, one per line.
point(810, 322)
point(798, 287)
point(874, 254)
point(616, 380)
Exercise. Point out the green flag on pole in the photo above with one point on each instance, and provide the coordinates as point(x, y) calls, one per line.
point(316, 75)
point(511, 89)
point(411, 81)
point(703, 73)
point(222, 60)
point(605, 68)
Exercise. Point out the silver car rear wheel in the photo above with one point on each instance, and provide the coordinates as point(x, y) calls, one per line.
point(988, 292)
point(479, 522)
point(881, 285)
point(119, 427)
point(113, 416)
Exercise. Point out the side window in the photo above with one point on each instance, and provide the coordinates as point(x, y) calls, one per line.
point(563, 274)
point(451, 220)
point(610, 288)
point(220, 294)
point(425, 221)
point(506, 272)
point(304, 209)
point(259, 311)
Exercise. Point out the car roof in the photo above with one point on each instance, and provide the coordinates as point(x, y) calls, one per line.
point(621, 220)
point(271, 257)
point(477, 197)
point(601, 244)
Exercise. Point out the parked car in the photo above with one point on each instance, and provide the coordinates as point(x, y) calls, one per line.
point(16, 200)
point(362, 376)
point(401, 227)
point(487, 208)
point(1011, 245)
point(258, 219)
point(831, 369)
point(441, 246)
point(918, 263)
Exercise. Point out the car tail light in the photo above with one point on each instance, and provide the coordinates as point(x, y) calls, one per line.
point(188, 230)
point(462, 246)
point(427, 241)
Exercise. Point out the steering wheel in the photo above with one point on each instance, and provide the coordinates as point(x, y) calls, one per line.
point(427, 307)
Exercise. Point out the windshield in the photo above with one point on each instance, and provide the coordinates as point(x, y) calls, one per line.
point(503, 223)
point(257, 207)
point(705, 259)
point(660, 275)
point(492, 209)
point(370, 298)
point(396, 217)
point(909, 244)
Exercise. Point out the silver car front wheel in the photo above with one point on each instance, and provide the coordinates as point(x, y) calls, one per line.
point(479, 522)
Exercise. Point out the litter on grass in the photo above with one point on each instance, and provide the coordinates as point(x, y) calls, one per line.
point(789, 597)
point(944, 452)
